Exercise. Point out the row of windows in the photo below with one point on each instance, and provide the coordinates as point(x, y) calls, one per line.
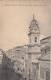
point(20, 70)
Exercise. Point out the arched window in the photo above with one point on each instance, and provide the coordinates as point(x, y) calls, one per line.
point(35, 39)
point(18, 69)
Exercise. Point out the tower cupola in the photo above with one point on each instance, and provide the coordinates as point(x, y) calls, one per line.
point(34, 32)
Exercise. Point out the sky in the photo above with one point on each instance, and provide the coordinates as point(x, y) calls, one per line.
point(15, 21)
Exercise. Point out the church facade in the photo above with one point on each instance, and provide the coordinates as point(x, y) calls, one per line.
point(28, 58)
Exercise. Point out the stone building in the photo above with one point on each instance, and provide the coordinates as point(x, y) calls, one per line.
point(44, 60)
point(17, 56)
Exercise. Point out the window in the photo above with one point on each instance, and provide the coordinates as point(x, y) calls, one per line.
point(22, 57)
point(18, 69)
point(35, 39)
point(23, 69)
point(45, 50)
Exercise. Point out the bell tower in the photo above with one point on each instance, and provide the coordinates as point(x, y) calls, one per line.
point(34, 32)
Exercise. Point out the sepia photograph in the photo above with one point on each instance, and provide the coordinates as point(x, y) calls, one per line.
point(25, 39)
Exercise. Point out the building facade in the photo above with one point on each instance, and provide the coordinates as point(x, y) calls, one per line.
point(44, 60)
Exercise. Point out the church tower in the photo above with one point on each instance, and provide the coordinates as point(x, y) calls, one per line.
point(34, 32)
point(33, 50)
